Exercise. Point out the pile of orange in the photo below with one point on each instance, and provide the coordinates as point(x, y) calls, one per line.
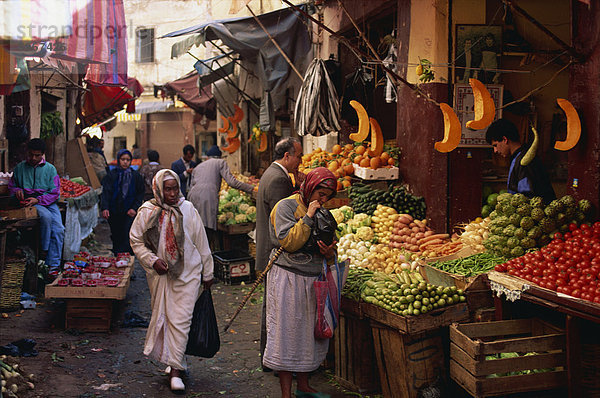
point(342, 159)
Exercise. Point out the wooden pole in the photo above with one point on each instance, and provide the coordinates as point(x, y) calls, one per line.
point(275, 43)
point(541, 27)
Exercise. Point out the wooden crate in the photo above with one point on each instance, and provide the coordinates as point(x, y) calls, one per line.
point(417, 324)
point(408, 364)
point(471, 342)
point(237, 229)
point(20, 213)
point(355, 361)
point(89, 315)
point(438, 277)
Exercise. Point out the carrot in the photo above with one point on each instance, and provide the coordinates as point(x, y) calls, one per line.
point(428, 244)
point(434, 236)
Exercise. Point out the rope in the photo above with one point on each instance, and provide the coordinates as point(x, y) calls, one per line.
point(259, 280)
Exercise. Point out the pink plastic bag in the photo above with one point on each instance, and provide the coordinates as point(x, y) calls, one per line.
point(328, 291)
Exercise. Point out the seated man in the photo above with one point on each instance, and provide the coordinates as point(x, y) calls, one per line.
point(36, 183)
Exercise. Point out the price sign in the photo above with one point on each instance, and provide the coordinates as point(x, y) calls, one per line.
point(242, 269)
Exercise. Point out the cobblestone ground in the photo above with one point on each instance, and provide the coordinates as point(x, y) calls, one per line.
point(75, 364)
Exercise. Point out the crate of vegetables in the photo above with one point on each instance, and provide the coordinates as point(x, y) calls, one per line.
point(505, 357)
point(70, 189)
point(461, 272)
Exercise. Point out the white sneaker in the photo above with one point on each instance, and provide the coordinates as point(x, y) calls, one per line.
point(177, 384)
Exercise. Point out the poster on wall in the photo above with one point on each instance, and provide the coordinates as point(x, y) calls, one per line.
point(464, 108)
point(477, 50)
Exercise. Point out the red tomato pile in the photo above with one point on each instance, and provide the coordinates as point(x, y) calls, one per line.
point(70, 189)
point(570, 264)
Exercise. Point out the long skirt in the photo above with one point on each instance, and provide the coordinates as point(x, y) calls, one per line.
point(291, 318)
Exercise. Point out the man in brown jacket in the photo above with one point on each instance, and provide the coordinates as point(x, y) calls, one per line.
point(274, 185)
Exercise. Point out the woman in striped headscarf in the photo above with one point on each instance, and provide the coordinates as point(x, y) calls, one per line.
point(291, 302)
point(169, 240)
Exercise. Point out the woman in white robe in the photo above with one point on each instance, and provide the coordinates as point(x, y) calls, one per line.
point(169, 240)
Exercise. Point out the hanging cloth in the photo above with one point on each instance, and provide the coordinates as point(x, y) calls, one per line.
point(317, 106)
point(115, 72)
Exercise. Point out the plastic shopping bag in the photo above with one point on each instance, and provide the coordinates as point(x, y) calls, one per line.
point(328, 291)
point(203, 339)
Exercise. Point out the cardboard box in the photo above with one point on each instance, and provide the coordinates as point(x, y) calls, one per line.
point(21, 213)
point(78, 163)
point(383, 173)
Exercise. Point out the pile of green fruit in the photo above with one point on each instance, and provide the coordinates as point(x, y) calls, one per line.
point(365, 200)
point(357, 276)
point(235, 207)
point(518, 223)
point(408, 299)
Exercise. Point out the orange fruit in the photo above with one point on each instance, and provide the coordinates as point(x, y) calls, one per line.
point(375, 163)
point(357, 159)
point(391, 161)
point(360, 150)
point(341, 172)
point(348, 147)
point(339, 185)
point(349, 169)
point(384, 157)
point(365, 162)
point(346, 183)
point(337, 149)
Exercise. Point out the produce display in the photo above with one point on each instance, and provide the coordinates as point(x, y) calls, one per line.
point(364, 199)
point(518, 223)
point(475, 233)
point(382, 222)
point(414, 235)
point(405, 293)
point(13, 377)
point(469, 266)
point(359, 224)
point(92, 271)
point(235, 206)
point(71, 189)
point(569, 264)
point(505, 355)
point(342, 159)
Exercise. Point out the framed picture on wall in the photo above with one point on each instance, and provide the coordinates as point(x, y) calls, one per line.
point(478, 50)
point(464, 108)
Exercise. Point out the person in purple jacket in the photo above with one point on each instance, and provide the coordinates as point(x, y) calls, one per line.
point(35, 183)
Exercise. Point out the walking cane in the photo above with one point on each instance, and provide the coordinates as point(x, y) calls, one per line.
point(259, 280)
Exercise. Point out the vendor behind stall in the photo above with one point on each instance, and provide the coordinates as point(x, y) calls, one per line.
point(205, 185)
point(36, 183)
point(531, 180)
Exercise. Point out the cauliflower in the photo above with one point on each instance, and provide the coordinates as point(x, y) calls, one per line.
point(229, 215)
point(240, 218)
point(222, 219)
point(243, 208)
point(365, 233)
point(338, 215)
point(251, 209)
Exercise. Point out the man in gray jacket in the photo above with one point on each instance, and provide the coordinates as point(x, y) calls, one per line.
point(274, 185)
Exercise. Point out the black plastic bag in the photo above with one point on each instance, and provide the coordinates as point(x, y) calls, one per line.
point(324, 226)
point(203, 339)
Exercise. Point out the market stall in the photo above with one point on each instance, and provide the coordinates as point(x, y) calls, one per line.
point(81, 214)
point(91, 285)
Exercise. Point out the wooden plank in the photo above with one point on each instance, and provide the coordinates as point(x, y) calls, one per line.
point(522, 383)
point(477, 299)
point(473, 348)
point(407, 363)
point(417, 324)
point(497, 328)
point(487, 367)
point(526, 344)
point(461, 376)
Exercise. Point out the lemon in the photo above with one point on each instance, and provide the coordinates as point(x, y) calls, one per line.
point(419, 70)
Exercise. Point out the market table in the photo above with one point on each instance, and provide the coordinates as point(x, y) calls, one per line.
point(90, 308)
point(575, 310)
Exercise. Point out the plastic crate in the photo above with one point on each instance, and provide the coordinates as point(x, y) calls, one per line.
point(233, 267)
